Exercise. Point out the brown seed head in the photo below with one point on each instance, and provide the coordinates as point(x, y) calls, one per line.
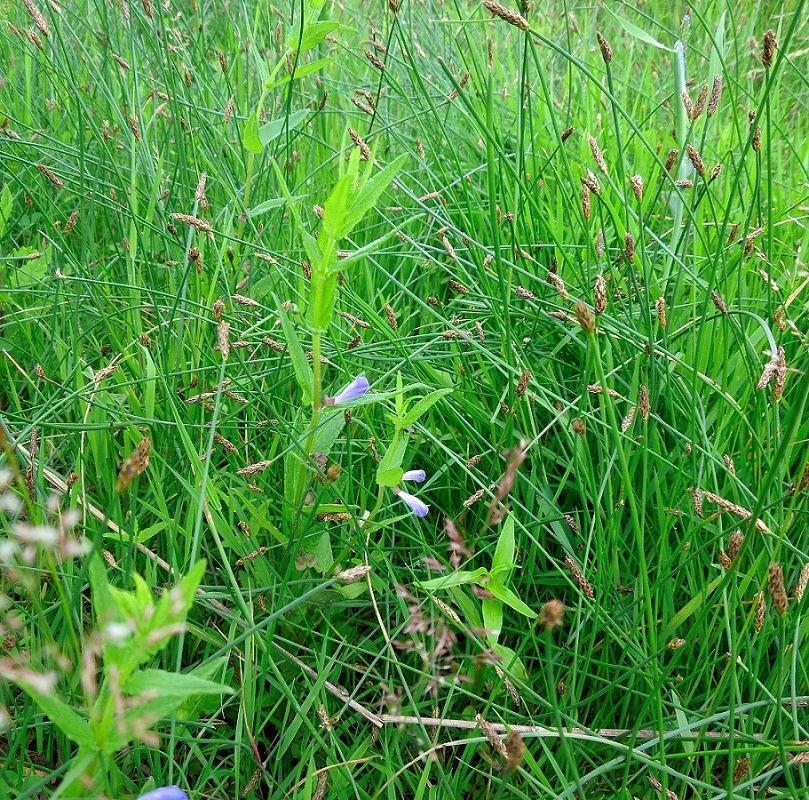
point(551, 614)
point(716, 171)
point(393, 5)
point(670, 159)
point(643, 402)
point(696, 496)
point(600, 295)
point(523, 383)
point(524, 293)
point(661, 312)
point(696, 160)
point(458, 286)
point(585, 317)
point(515, 750)
point(134, 465)
point(391, 315)
point(760, 613)
point(372, 57)
point(511, 17)
point(598, 156)
point(675, 644)
point(719, 303)
point(71, 222)
point(147, 8)
point(583, 583)
point(756, 144)
point(688, 103)
point(36, 16)
point(57, 182)
point(578, 426)
point(626, 422)
point(716, 95)
point(229, 110)
point(778, 592)
point(591, 182)
point(604, 46)
point(567, 133)
point(217, 309)
point(491, 734)
point(637, 186)
point(354, 574)
point(223, 338)
point(699, 106)
point(365, 151)
point(629, 247)
point(768, 48)
point(585, 202)
point(803, 582)
point(735, 542)
point(558, 284)
point(741, 770)
point(780, 373)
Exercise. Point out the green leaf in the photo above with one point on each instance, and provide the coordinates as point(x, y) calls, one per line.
point(335, 210)
point(76, 728)
point(250, 137)
point(394, 455)
point(300, 364)
point(503, 558)
point(510, 661)
point(313, 35)
point(5, 209)
point(171, 684)
point(390, 477)
point(508, 597)
point(272, 130)
point(372, 191)
point(638, 33)
point(422, 406)
point(329, 426)
point(492, 619)
point(323, 297)
point(457, 578)
point(301, 72)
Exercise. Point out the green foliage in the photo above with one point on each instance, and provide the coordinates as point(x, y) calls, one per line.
point(445, 257)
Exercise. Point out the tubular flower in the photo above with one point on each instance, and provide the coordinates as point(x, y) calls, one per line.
point(165, 793)
point(418, 507)
point(357, 388)
point(417, 475)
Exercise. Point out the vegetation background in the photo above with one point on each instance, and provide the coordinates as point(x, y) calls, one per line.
point(599, 282)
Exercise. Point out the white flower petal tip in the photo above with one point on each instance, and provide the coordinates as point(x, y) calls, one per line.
point(417, 475)
point(357, 388)
point(165, 793)
point(418, 507)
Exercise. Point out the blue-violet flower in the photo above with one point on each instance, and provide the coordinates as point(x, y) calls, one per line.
point(418, 507)
point(357, 388)
point(417, 475)
point(165, 793)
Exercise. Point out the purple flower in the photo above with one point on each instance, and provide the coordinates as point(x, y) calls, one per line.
point(357, 388)
point(165, 793)
point(417, 475)
point(418, 507)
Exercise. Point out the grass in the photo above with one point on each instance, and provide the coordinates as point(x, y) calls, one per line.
point(638, 440)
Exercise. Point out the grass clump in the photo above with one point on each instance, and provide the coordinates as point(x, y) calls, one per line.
point(403, 401)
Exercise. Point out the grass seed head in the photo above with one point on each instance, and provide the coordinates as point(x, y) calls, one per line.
point(375, 61)
point(643, 402)
point(699, 105)
point(803, 582)
point(585, 202)
point(741, 770)
point(365, 151)
point(522, 385)
point(40, 21)
point(735, 542)
point(223, 338)
point(515, 750)
point(491, 734)
point(604, 46)
point(716, 95)
point(585, 317)
point(57, 182)
point(391, 315)
point(507, 15)
point(756, 143)
point(637, 186)
point(662, 319)
point(600, 295)
point(767, 50)
point(558, 284)
point(567, 133)
point(551, 615)
point(778, 592)
point(696, 160)
point(688, 103)
point(629, 247)
point(598, 156)
point(134, 465)
point(583, 583)
point(760, 613)
point(719, 303)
